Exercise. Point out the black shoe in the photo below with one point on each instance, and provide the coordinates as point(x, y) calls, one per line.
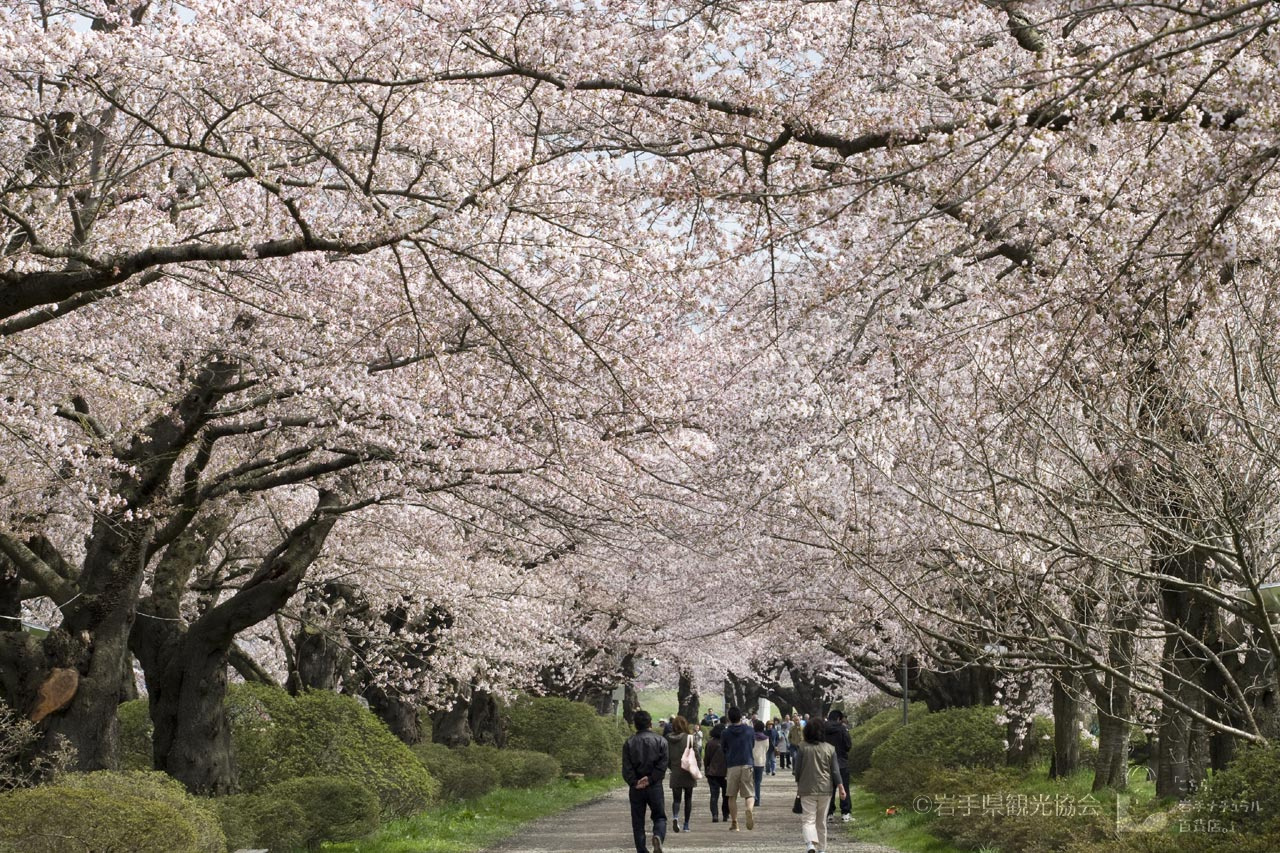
point(675, 826)
point(657, 843)
point(715, 819)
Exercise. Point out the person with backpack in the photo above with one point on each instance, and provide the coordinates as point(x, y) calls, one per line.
point(717, 770)
point(644, 764)
point(680, 739)
point(836, 733)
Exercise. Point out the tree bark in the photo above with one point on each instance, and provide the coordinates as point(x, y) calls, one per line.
point(687, 697)
point(1066, 734)
point(192, 734)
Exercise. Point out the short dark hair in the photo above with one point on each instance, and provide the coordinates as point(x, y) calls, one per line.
point(717, 730)
point(813, 733)
point(758, 726)
point(642, 720)
point(735, 715)
point(836, 714)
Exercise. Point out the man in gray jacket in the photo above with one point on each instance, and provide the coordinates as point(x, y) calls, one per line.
point(644, 764)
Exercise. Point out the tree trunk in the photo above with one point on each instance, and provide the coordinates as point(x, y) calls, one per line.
point(452, 727)
point(1066, 734)
point(630, 700)
point(192, 740)
point(402, 716)
point(321, 660)
point(687, 697)
point(485, 718)
point(1111, 767)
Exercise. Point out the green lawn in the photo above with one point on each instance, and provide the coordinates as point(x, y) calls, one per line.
point(474, 825)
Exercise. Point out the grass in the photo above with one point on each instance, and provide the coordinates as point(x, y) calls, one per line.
point(909, 831)
point(906, 831)
point(473, 825)
point(664, 703)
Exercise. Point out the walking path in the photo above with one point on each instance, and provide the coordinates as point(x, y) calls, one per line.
point(604, 826)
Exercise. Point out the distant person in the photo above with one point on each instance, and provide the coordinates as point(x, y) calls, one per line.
point(817, 773)
point(836, 733)
point(795, 737)
point(682, 781)
point(644, 763)
point(759, 755)
point(714, 766)
point(771, 757)
point(738, 741)
point(783, 746)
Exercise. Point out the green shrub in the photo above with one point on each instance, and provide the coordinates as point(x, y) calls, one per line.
point(157, 787)
point(58, 819)
point(875, 731)
point(135, 735)
point(263, 820)
point(335, 809)
point(517, 768)
point(461, 775)
point(954, 738)
point(279, 737)
point(571, 732)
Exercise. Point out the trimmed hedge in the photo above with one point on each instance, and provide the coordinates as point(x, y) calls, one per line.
point(472, 771)
point(156, 787)
point(954, 738)
point(875, 731)
point(460, 776)
point(279, 737)
point(261, 820)
point(572, 732)
point(517, 768)
point(335, 809)
point(135, 735)
point(57, 819)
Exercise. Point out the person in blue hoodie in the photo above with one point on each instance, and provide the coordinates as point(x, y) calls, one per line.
point(738, 743)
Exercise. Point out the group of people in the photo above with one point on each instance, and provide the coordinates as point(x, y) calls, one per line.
point(734, 759)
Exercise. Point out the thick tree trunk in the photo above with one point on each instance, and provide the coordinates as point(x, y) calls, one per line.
point(320, 659)
point(485, 718)
point(401, 715)
point(687, 697)
point(1066, 734)
point(1112, 764)
point(452, 727)
point(192, 740)
point(187, 668)
point(630, 700)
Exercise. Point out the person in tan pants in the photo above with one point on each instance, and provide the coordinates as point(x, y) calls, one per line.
point(738, 742)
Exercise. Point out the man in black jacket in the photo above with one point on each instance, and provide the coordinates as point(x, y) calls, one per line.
point(644, 764)
point(836, 733)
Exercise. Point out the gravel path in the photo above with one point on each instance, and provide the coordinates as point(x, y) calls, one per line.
point(604, 826)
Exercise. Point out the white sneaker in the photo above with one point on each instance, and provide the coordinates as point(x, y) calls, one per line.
point(657, 843)
point(846, 818)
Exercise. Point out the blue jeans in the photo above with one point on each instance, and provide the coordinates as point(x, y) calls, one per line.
point(759, 774)
point(653, 799)
point(771, 762)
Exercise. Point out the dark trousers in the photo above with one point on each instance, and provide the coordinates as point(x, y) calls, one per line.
point(653, 799)
point(676, 795)
point(719, 797)
point(758, 772)
point(846, 805)
point(784, 758)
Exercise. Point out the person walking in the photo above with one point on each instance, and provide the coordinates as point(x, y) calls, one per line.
point(817, 774)
point(771, 756)
point(716, 770)
point(644, 763)
point(682, 781)
point(759, 755)
point(783, 747)
point(836, 733)
point(795, 737)
point(738, 742)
